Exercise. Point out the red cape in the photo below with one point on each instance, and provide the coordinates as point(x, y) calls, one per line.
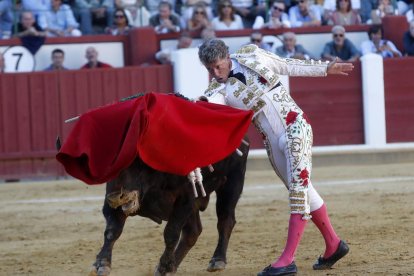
point(168, 133)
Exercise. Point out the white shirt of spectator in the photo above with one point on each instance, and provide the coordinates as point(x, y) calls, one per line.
point(237, 24)
point(369, 47)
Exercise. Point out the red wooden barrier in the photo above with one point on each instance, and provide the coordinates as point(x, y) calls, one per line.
point(34, 106)
point(399, 99)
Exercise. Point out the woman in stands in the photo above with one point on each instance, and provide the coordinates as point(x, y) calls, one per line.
point(344, 14)
point(227, 19)
point(121, 23)
point(199, 19)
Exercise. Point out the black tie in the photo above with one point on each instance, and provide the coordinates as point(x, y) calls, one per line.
point(238, 76)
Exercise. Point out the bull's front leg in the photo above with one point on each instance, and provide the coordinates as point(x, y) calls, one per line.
point(227, 198)
point(115, 221)
point(189, 235)
point(172, 231)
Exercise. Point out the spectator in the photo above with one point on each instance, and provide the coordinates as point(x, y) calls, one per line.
point(340, 47)
point(164, 56)
point(38, 7)
point(249, 10)
point(366, 8)
point(344, 14)
point(404, 6)
point(329, 6)
point(199, 19)
point(6, 18)
point(377, 45)
point(408, 40)
point(94, 12)
point(256, 38)
point(2, 63)
point(59, 20)
point(121, 24)
point(58, 57)
point(410, 15)
point(165, 21)
point(278, 18)
point(92, 56)
point(208, 33)
point(190, 5)
point(28, 26)
point(138, 15)
point(304, 14)
point(227, 19)
point(153, 5)
point(290, 49)
point(385, 7)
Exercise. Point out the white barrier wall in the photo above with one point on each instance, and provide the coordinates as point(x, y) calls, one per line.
point(373, 99)
point(190, 76)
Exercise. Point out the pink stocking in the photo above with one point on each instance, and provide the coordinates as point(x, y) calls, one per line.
point(295, 231)
point(321, 219)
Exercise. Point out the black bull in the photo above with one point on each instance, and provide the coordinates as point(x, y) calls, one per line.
point(141, 190)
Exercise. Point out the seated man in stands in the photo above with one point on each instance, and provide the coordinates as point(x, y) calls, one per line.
point(165, 21)
point(92, 56)
point(28, 26)
point(93, 12)
point(278, 17)
point(377, 45)
point(37, 7)
point(304, 15)
point(290, 49)
point(6, 18)
point(408, 40)
point(164, 56)
point(248, 10)
point(59, 20)
point(256, 38)
point(340, 47)
point(58, 57)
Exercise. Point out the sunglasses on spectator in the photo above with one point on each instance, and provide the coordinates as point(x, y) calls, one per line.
point(199, 12)
point(119, 16)
point(276, 8)
point(343, 0)
point(338, 35)
point(302, 1)
point(255, 40)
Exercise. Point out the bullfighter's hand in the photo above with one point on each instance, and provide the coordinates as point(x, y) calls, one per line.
point(342, 68)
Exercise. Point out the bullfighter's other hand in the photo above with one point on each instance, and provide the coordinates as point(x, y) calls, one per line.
point(342, 68)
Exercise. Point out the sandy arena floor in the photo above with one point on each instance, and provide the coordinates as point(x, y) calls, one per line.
point(56, 227)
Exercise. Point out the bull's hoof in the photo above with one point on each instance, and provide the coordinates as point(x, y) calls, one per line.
point(101, 271)
point(216, 265)
point(159, 273)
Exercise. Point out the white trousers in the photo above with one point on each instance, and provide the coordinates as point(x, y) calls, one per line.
point(289, 151)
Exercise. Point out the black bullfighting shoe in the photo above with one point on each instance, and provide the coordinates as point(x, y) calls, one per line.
point(327, 263)
point(279, 271)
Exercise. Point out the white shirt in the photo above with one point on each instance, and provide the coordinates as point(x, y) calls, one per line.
point(237, 24)
point(369, 47)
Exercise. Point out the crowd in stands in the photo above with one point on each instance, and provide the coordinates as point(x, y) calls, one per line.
point(56, 18)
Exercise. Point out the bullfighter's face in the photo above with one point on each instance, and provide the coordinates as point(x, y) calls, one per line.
point(220, 69)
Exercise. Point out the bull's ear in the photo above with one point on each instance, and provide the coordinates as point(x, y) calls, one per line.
point(58, 143)
point(203, 99)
